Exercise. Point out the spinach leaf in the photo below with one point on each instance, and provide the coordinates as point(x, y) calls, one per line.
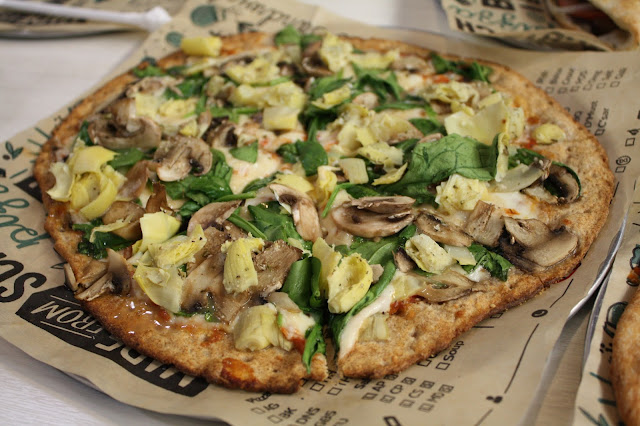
point(382, 83)
point(359, 191)
point(248, 153)
point(288, 35)
point(202, 190)
point(314, 344)
point(524, 156)
point(190, 87)
point(148, 71)
point(433, 162)
point(275, 225)
point(101, 240)
point(126, 158)
point(380, 252)
point(232, 113)
point(84, 133)
point(497, 265)
point(326, 84)
point(298, 284)
point(312, 155)
point(428, 126)
point(256, 184)
point(338, 322)
point(273, 82)
point(288, 152)
point(241, 196)
point(403, 105)
point(339, 187)
point(245, 225)
point(470, 71)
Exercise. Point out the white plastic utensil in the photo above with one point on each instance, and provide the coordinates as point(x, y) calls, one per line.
point(150, 20)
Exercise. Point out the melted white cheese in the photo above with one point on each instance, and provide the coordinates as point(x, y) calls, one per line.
point(514, 204)
point(245, 172)
point(351, 331)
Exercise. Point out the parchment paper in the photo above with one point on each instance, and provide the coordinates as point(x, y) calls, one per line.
point(489, 375)
point(526, 23)
point(595, 401)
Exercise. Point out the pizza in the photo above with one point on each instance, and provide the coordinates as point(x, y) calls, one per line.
point(624, 354)
point(255, 209)
point(614, 22)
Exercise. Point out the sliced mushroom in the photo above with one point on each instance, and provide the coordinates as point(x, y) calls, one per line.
point(151, 85)
point(137, 178)
point(179, 155)
point(119, 128)
point(388, 205)
point(205, 282)
point(403, 262)
point(158, 202)
point(485, 224)
point(204, 285)
point(368, 100)
point(431, 138)
point(312, 64)
point(564, 183)
point(532, 246)
point(117, 279)
point(409, 63)
point(442, 232)
point(272, 265)
point(213, 214)
point(527, 232)
point(129, 212)
point(303, 210)
point(70, 277)
point(372, 217)
point(222, 135)
point(444, 287)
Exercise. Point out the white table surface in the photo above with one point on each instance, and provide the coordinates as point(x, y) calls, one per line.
point(37, 77)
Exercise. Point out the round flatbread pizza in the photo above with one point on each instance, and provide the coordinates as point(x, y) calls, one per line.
point(253, 208)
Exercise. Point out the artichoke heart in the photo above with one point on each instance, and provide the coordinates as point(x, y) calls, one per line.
point(162, 285)
point(333, 98)
point(280, 118)
point(90, 159)
point(335, 53)
point(427, 254)
point(294, 181)
point(178, 250)
point(382, 153)
point(157, 228)
point(201, 46)
point(260, 70)
point(329, 259)
point(284, 94)
point(348, 283)
point(107, 195)
point(257, 328)
point(548, 133)
point(325, 183)
point(61, 191)
point(239, 271)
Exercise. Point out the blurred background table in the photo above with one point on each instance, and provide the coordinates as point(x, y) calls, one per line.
point(38, 76)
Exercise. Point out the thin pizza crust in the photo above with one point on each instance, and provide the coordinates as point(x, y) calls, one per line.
point(418, 329)
point(625, 363)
